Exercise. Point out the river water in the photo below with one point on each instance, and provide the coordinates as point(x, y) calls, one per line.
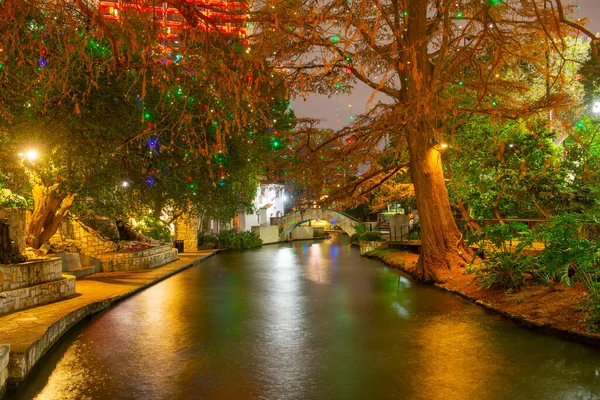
point(307, 321)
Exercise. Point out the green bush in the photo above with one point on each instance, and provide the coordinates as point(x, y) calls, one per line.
point(505, 264)
point(206, 238)
point(359, 229)
point(153, 228)
point(566, 250)
point(370, 236)
point(318, 233)
point(415, 232)
point(232, 240)
point(571, 255)
point(12, 200)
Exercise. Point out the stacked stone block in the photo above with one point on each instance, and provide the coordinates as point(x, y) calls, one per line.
point(87, 240)
point(33, 283)
point(140, 259)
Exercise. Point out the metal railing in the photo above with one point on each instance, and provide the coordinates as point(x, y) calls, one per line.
point(402, 233)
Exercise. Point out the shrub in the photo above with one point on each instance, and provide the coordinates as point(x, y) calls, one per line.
point(505, 263)
point(566, 251)
point(232, 240)
point(415, 232)
point(206, 238)
point(318, 233)
point(153, 228)
point(12, 200)
point(370, 236)
point(570, 255)
point(361, 227)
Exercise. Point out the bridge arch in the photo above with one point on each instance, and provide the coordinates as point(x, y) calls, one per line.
point(289, 221)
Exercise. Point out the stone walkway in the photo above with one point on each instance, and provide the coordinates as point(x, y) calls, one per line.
point(32, 332)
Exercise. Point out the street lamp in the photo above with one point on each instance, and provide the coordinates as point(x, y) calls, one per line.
point(30, 155)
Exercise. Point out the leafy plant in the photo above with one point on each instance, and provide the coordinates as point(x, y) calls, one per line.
point(370, 236)
point(12, 200)
point(566, 249)
point(360, 228)
point(232, 240)
point(505, 262)
point(153, 228)
point(206, 238)
point(415, 232)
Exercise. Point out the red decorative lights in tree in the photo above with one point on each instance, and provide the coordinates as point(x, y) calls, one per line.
point(226, 16)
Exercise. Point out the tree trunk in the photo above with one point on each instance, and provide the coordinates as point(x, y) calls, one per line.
point(442, 246)
point(49, 211)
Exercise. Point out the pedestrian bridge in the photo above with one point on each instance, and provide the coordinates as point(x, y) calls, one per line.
point(288, 222)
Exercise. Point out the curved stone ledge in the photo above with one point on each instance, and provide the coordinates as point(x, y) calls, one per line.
point(140, 259)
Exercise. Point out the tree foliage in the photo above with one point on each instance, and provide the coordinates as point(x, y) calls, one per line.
point(434, 60)
point(127, 122)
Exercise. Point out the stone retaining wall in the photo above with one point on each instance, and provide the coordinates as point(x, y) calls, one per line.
point(87, 240)
point(4, 354)
point(141, 259)
point(29, 273)
point(367, 246)
point(47, 292)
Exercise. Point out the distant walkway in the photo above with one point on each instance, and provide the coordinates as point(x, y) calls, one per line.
point(32, 332)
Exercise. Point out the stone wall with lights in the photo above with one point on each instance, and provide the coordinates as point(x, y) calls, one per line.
point(33, 283)
point(141, 259)
point(4, 354)
point(186, 229)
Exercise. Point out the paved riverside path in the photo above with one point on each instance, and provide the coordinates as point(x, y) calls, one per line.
point(33, 331)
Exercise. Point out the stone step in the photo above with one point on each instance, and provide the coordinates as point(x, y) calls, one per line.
point(83, 271)
point(128, 261)
point(36, 295)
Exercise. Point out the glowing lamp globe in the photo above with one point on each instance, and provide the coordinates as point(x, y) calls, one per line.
point(32, 155)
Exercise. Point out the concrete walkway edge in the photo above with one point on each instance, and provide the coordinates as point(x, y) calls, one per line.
point(21, 363)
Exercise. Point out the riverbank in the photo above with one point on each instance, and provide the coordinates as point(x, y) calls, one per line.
point(549, 308)
point(30, 333)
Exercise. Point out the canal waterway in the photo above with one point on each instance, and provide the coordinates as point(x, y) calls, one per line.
point(307, 321)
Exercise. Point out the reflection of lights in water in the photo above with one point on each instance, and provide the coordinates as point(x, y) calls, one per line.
point(459, 354)
point(318, 269)
point(334, 251)
point(403, 312)
point(285, 328)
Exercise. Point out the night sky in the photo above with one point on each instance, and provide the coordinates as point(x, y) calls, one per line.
point(324, 108)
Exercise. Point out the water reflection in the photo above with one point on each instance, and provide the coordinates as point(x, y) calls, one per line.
point(307, 321)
